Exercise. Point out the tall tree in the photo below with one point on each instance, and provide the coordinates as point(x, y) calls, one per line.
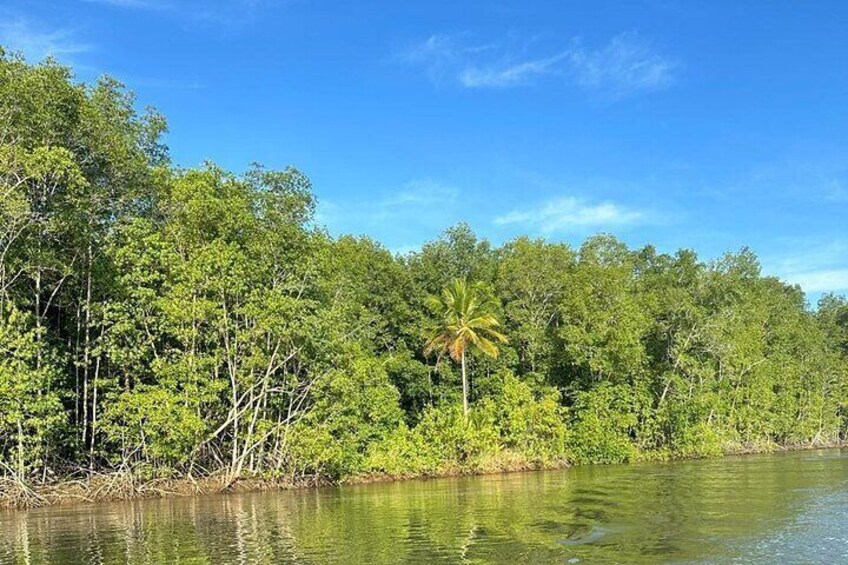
point(464, 318)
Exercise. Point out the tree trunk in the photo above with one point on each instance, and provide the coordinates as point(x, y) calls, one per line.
point(93, 436)
point(21, 466)
point(86, 353)
point(464, 387)
point(38, 318)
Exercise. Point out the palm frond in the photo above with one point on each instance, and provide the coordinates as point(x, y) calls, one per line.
point(465, 317)
point(487, 347)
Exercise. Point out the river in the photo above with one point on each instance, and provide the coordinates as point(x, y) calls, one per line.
point(775, 508)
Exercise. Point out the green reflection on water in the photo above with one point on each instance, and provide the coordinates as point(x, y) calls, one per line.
point(693, 511)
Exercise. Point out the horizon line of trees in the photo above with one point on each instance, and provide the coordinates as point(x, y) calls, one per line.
point(170, 321)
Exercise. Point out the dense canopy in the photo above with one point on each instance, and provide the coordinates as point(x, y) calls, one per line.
point(169, 322)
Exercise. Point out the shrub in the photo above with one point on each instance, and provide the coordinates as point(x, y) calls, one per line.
point(603, 420)
point(353, 409)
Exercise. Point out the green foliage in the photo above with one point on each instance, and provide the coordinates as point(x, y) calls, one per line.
point(604, 419)
point(175, 321)
point(530, 422)
point(445, 439)
point(163, 424)
point(31, 415)
point(511, 418)
point(533, 279)
point(353, 409)
point(464, 319)
point(604, 324)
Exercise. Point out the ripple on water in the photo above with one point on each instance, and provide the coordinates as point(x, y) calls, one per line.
point(784, 508)
point(586, 534)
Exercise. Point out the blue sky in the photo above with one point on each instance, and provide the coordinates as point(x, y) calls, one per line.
point(706, 125)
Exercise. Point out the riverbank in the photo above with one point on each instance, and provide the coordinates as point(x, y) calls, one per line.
point(753, 508)
point(123, 486)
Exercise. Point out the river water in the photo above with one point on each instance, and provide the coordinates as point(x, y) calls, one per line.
point(777, 508)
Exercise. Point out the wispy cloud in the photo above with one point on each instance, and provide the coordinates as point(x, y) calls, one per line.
point(36, 42)
point(836, 190)
point(418, 202)
point(400, 219)
point(230, 13)
point(627, 64)
point(441, 55)
point(809, 254)
point(807, 172)
point(815, 265)
point(425, 191)
point(568, 214)
point(432, 51)
point(508, 75)
point(824, 280)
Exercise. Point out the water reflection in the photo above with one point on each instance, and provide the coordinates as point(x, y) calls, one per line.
point(768, 508)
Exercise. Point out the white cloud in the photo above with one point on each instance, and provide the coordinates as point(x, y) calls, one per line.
point(509, 75)
point(434, 48)
point(626, 65)
point(810, 254)
point(826, 280)
point(569, 214)
point(417, 202)
point(425, 191)
point(440, 55)
point(37, 43)
point(815, 265)
point(224, 14)
point(401, 219)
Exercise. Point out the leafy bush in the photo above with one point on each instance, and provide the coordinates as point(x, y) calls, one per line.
point(31, 413)
point(353, 409)
point(529, 422)
point(160, 424)
point(603, 421)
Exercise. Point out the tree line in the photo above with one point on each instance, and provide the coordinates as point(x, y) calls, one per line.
point(188, 322)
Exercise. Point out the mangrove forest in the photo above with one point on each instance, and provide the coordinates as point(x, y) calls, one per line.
point(167, 323)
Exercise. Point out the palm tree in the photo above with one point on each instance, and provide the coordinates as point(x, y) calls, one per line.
point(465, 319)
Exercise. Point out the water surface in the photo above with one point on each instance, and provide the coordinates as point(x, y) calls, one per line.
point(778, 508)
